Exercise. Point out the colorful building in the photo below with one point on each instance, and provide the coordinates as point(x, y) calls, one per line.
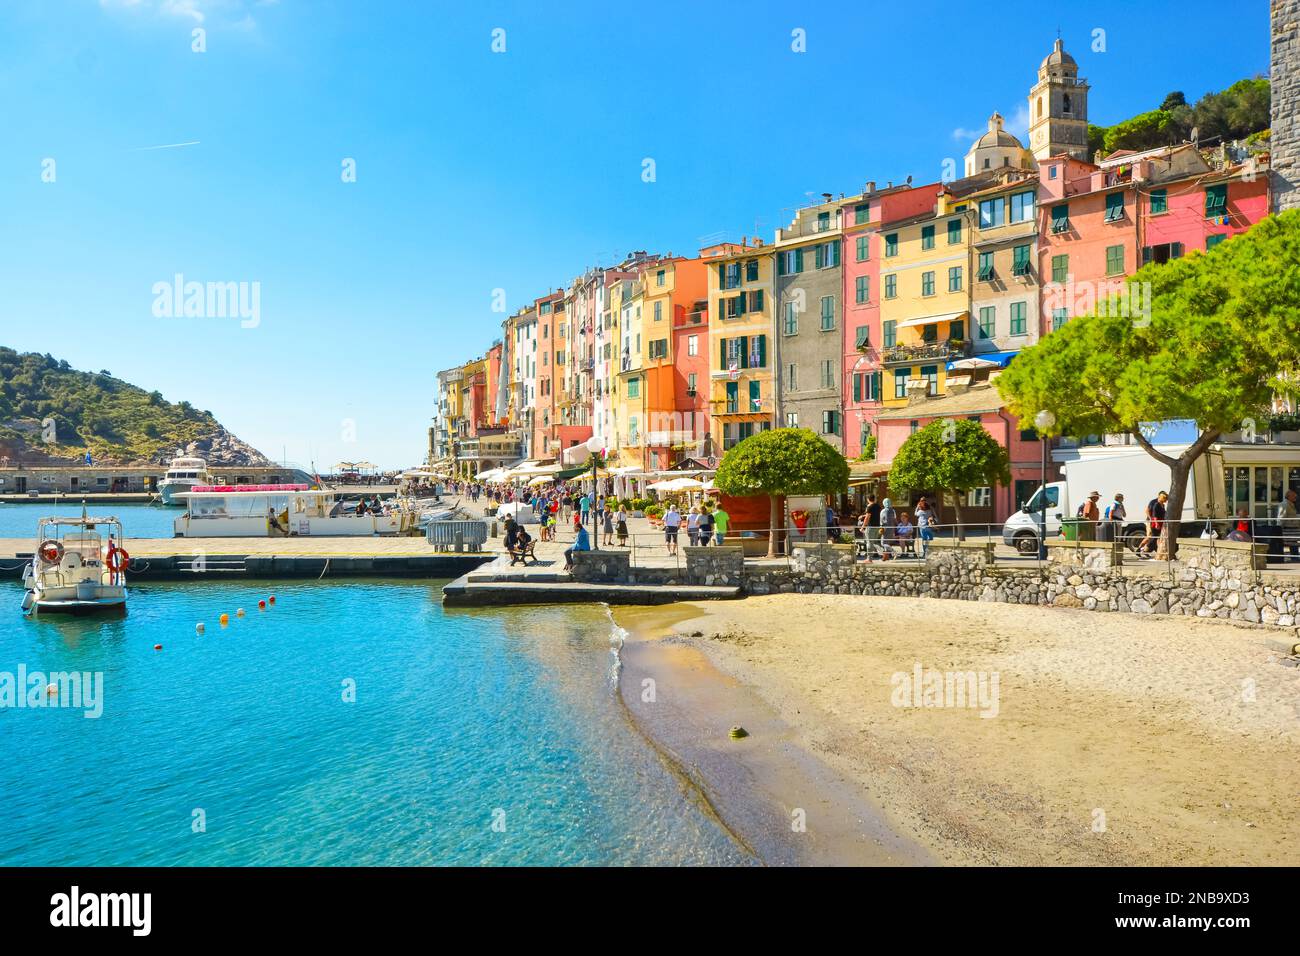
point(671, 285)
point(742, 393)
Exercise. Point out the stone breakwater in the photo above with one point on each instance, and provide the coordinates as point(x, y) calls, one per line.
point(1210, 579)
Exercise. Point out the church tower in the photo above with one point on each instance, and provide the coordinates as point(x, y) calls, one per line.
point(1058, 108)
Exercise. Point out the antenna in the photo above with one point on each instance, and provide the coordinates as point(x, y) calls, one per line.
point(1196, 134)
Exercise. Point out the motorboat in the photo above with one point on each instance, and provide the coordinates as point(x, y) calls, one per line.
point(79, 565)
point(288, 510)
point(184, 474)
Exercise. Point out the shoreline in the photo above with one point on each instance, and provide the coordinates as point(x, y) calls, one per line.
point(1175, 744)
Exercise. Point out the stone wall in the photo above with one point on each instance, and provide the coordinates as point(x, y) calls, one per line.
point(1284, 80)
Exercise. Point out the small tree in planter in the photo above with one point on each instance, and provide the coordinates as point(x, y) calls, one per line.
point(951, 456)
point(781, 462)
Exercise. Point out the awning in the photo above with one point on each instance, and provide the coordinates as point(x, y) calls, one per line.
point(983, 360)
point(931, 319)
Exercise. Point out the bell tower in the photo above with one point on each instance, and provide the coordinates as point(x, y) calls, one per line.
point(1058, 108)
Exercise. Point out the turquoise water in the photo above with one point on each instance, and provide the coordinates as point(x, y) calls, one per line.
point(138, 521)
point(460, 718)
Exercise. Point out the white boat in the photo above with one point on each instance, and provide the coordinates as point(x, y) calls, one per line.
point(275, 511)
point(77, 567)
point(183, 475)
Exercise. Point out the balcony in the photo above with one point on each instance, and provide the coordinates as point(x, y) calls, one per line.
point(738, 406)
point(944, 351)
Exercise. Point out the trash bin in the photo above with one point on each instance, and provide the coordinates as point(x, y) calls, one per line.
point(1070, 528)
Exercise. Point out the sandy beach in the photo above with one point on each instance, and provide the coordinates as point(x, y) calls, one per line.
point(1083, 739)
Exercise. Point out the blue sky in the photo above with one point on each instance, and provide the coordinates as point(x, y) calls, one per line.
point(475, 170)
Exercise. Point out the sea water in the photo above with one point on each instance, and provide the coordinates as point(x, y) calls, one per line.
point(352, 722)
point(138, 520)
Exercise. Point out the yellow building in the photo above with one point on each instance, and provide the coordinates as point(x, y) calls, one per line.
point(925, 298)
point(742, 400)
point(627, 301)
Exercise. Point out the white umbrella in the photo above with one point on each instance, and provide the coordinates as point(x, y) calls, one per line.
point(677, 484)
point(541, 480)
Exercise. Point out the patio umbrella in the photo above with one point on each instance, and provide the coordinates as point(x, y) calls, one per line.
point(541, 480)
point(677, 484)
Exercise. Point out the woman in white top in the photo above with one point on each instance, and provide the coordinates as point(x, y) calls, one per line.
point(693, 526)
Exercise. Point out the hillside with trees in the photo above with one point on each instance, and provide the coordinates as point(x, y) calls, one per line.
point(52, 413)
point(1241, 112)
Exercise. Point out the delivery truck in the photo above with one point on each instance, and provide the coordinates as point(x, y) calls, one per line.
point(1108, 469)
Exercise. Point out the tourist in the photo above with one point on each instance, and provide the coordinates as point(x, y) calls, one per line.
point(905, 531)
point(512, 533)
point(888, 522)
point(1113, 519)
point(706, 525)
point(873, 526)
point(720, 521)
point(832, 524)
point(672, 524)
point(580, 543)
point(1241, 526)
point(693, 526)
point(607, 518)
point(584, 507)
point(1089, 515)
point(1288, 520)
point(1155, 522)
point(361, 507)
point(924, 526)
point(622, 526)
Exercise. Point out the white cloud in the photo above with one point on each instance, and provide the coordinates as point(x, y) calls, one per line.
point(1018, 124)
point(961, 133)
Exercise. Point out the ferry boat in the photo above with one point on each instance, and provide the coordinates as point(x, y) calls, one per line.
point(75, 568)
point(271, 511)
point(183, 475)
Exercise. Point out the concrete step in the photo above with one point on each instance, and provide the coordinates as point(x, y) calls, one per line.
point(463, 592)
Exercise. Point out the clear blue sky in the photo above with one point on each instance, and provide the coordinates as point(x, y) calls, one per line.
point(475, 170)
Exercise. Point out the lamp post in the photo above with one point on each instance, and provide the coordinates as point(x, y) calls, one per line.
point(594, 446)
point(1043, 422)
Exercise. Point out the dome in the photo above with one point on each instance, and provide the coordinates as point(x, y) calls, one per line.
point(997, 136)
point(1058, 58)
point(996, 148)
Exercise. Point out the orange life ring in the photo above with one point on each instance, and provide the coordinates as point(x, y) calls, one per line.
point(117, 560)
point(52, 552)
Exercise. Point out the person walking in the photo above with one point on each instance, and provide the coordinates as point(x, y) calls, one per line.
point(1288, 519)
point(607, 522)
point(924, 529)
point(888, 522)
point(1113, 519)
point(622, 526)
point(706, 525)
point(672, 525)
point(1155, 523)
point(720, 522)
point(584, 507)
point(873, 526)
point(693, 526)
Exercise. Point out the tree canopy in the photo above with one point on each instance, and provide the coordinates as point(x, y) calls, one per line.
point(782, 461)
point(952, 456)
point(1235, 113)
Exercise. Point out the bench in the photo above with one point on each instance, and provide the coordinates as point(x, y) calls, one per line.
point(518, 554)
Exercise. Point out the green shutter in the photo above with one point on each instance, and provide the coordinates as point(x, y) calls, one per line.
point(798, 261)
point(758, 301)
point(740, 305)
point(723, 345)
point(744, 351)
point(762, 351)
point(818, 256)
point(857, 388)
point(875, 386)
point(1159, 201)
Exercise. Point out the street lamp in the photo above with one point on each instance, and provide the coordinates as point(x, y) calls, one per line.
point(594, 445)
point(1043, 423)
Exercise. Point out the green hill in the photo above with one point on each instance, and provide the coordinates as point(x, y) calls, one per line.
point(51, 412)
point(1240, 112)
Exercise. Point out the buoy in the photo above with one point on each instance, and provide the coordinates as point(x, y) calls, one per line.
point(157, 647)
point(737, 732)
point(225, 619)
point(271, 599)
point(261, 605)
point(239, 613)
point(198, 628)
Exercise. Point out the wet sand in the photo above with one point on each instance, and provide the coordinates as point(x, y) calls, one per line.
point(1115, 739)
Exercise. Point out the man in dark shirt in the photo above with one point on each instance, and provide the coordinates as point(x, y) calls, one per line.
point(874, 508)
point(1155, 522)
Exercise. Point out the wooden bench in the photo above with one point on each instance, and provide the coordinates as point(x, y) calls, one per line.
point(518, 554)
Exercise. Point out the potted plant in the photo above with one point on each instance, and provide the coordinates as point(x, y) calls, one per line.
point(655, 513)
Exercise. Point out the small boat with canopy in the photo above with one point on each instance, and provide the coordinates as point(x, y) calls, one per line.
point(79, 566)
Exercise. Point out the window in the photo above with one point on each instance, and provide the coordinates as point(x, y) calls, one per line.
point(930, 375)
point(792, 378)
point(692, 345)
point(927, 283)
point(755, 397)
point(1114, 207)
point(1216, 200)
point(691, 384)
point(823, 221)
point(1162, 253)
point(827, 370)
point(1114, 260)
point(862, 289)
point(658, 349)
point(733, 397)
point(891, 245)
point(659, 311)
point(751, 270)
point(791, 419)
point(990, 213)
point(830, 422)
point(791, 318)
point(957, 331)
point(861, 213)
point(1213, 240)
point(889, 329)
point(755, 300)
point(954, 231)
point(659, 277)
point(986, 267)
point(827, 255)
point(1051, 170)
point(954, 279)
point(1159, 201)
point(864, 248)
point(980, 497)
point(790, 262)
point(900, 382)
point(866, 387)
point(730, 274)
point(828, 312)
point(758, 351)
point(862, 337)
point(1061, 218)
point(927, 237)
point(1019, 323)
point(988, 321)
point(1059, 318)
point(633, 388)
point(1022, 207)
point(1020, 262)
point(914, 424)
point(735, 306)
point(930, 332)
point(1060, 268)
point(891, 286)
